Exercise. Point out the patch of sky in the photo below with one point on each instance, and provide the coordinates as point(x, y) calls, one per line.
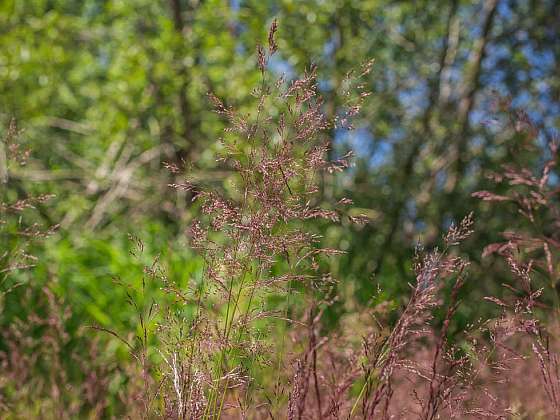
point(325, 85)
point(504, 10)
point(495, 53)
point(536, 101)
point(240, 48)
point(382, 151)
point(415, 98)
point(477, 142)
point(360, 140)
point(364, 145)
point(447, 222)
point(521, 100)
point(420, 226)
point(411, 209)
point(553, 180)
point(235, 5)
point(453, 76)
point(440, 180)
point(473, 168)
point(104, 58)
point(542, 61)
point(478, 117)
point(280, 67)
point(238, 27)
point(330, 46)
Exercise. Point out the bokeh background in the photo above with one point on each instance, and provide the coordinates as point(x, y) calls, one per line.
point(106, 92)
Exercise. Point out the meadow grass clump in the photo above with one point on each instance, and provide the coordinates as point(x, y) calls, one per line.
point(42, 374)
point(255, 244)
point(525, 334)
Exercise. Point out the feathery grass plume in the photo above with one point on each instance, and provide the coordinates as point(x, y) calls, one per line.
point(254, 240)
point(335, 378)
point(432, 270)
point(535, 195)
point(534, 247)
point(532, 253)
point(17, 229)
point(42, 375)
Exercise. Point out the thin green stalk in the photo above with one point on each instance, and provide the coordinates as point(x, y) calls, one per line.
point(360, 395)
point(227, 338)
point(228, 324)
point(227, 331)
point(245, 316)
